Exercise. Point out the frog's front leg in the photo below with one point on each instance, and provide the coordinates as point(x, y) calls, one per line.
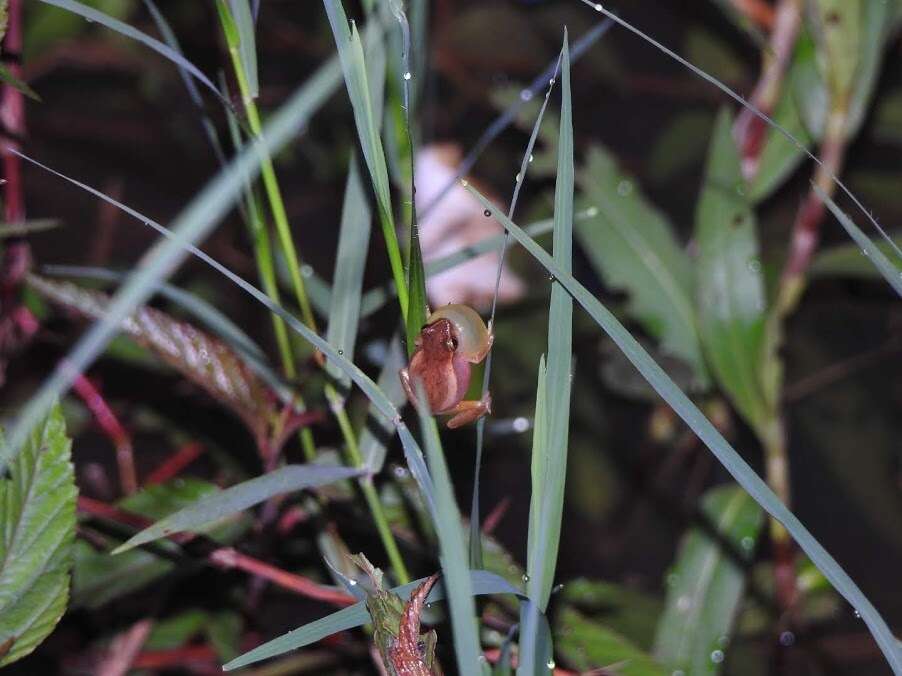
point(407, 384)
point(466, 412)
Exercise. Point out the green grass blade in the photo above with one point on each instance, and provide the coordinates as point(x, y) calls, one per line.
point(350, 262)
point(122, 28)
point(549, 462)
point(732, 309)
point(849, 260)
point(714, 440)
point(707, 584)
point(892, 272)
point(239, 497)
point(372, 446)
point(243, 21)
point(455, 571)
point(353, 63)
point(194, 222)
point(37, 531)
point(481, 582)
point(27, 227)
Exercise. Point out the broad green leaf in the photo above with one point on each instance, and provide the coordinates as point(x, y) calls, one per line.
point(731, 302)
point(715, 53)
point(480, 581)
point(633, 247)
point(37, 529)
point(453, 553)
point(836, 25)
point(626, 611)
point(714, 440)
point(850, 260)
point(221, 504)
point(585, 644)
point(707, 583)
point(680, 145)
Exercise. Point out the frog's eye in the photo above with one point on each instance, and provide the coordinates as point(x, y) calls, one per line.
point(471, 336)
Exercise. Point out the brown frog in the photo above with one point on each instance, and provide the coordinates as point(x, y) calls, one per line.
point(453, 338)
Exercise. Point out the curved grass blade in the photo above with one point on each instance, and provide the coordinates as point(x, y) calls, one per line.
point(708, 434)
point(128, 31)
point(707, 584)
point(549, 460)
point(849, 260)
point(453, 556)
point(238, 498)
point(194, 222)
point(481, 582)
point(891, 272)
point(37, 531)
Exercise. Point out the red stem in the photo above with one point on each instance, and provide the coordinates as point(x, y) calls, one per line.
point(175, 463)
point(111, 426)
point(12, 117)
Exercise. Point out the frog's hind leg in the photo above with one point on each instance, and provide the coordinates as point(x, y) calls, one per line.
point(466, 412)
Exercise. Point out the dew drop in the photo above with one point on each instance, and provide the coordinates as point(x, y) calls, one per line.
point(464, 182)
point(624, 188)
point(747, 542)
point(520, 424)
point(306, 271)
point(486, 213)
point(341, 353)
point(678, 672)
point(592, 212)
point(407, 75)
point(353, 583)
point(517, 178)
point(552, 278)
point(864, 252)
point(531, 158)
point(557, 588)
point(717, 656)
point(525, 95)
point(754, 265)
point(857, 615)
point(683, 604)
point(550, 664)
point(525, 578)
point(551, 82)
point(787, 638)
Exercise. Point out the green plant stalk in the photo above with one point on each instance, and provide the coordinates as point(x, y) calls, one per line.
point(267, 273)
point(354, 458)
point(267, 171)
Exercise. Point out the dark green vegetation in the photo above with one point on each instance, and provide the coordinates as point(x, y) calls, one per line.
point(692, 462)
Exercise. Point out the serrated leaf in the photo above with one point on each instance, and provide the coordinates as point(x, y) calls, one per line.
point(585, 644)
point(707, 584)
point(204, 360)
point(221, 504)
point(731, 302)
point(633, 248)
point(37, 529)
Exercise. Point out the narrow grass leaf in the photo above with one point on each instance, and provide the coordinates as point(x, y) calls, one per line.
point(707, 583)
point(237, 498)
point(453, 553)
point(850, 260)
point(244, 23)
point(634, 249)
point(549, 462)
point(192, 224)
point(353, 63)
point(892, 272)
point(27, 227)
point(37, 531)
point(350, 263)
point(714, 440)
point(378, 428)
point(128, 31)
point(481, 583)
point(7, 77)
point(732, 308)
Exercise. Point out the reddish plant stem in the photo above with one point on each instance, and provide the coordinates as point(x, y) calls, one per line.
point(495, 516)
point(175, 463)
point(756, 11)
point(227, 558)
point(750, 129)
point(176, 658)
point(12, 117)
point(109, 423)
point(124, 648)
